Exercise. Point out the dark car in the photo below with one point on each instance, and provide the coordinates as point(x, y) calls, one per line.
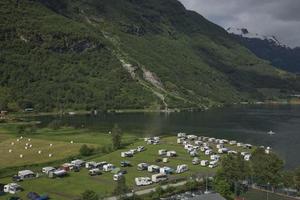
point(16, 178)
point(125, 164)
point(123, 172)
point(36, 196)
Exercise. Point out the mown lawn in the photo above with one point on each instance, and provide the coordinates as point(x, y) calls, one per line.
point(76, 183)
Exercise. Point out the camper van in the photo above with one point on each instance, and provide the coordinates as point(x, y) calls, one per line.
point(162, 152)
point(153, 168)
point(26, 174)
point(12, 188)
point(166, 170)
point(208, 152)
point(118, 177)
point(215, 157)
point(181, 169)
point(158, 178)
point(126, 154)
point(108, 167)
point(196, 161)
point(204, 163)
point(47, 170)
point(143, 181)
point(213, 164)
point(142, 166)
point(171, 154)
point(95, 172)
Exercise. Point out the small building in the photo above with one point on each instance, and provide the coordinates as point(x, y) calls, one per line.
point(26, 174)
point(12, 188)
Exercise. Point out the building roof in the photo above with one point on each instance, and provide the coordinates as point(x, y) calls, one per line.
point(212, 196)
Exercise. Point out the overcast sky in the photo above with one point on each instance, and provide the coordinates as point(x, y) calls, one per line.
point(269, 17)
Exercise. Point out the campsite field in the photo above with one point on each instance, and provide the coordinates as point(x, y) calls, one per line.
point(41, 140)
point(72, 186)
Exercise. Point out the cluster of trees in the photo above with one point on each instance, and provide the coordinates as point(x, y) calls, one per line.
point(263, 169)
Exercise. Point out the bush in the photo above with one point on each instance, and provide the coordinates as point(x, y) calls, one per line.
point(86, 151)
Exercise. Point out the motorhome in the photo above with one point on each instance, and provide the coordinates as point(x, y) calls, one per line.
point(126, 154)
point(118, 177)
point(12, 188)
point(166, 170)
point(181, 168)
point(142, 166)
point(208, 152)
point(247, 157)
point(141, 148)
point(181, 135)
point(162, 152)
point(196, 161)
point(26, 174)
point(215, 157)
point(153, 168)
point(78, 163)
point(95, 172)
point(213, 164)
point(47, 170)
point(171, 154)
point(108, 167)
point(204, 163)
point(223, 150)
point(143, 181)
point(159, 177)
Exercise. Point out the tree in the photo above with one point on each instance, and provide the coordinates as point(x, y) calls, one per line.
point(297, 178)
point(86, 151)
point(116, 137)
point(267, 168)
point(89, 195)
point(121, 187)
point(234, 169)
point(223, 187)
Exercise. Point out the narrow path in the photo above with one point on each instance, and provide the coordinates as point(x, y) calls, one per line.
point(147, 191)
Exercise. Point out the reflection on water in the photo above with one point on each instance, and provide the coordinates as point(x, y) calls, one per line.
point(248, 124)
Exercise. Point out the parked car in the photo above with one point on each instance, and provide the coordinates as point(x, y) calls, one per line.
point(125, 164)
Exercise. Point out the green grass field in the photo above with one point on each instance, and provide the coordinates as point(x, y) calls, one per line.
point(41, 140)
point(76, 183)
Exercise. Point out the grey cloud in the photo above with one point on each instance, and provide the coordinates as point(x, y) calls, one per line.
point(269, 17)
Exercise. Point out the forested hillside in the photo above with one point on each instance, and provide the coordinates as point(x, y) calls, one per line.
point(116, 54)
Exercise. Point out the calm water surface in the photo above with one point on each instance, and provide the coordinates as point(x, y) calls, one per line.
point(248, 124)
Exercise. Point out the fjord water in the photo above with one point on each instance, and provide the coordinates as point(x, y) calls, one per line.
point(248, 124)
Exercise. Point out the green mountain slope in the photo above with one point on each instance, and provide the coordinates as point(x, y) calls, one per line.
point(114, 54)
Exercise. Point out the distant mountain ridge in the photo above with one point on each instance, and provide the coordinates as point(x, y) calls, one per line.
point(269, 48)
point(125, 54)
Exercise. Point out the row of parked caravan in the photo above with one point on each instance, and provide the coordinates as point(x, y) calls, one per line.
point(160, 173)
point(131, 152)
point(194, 144)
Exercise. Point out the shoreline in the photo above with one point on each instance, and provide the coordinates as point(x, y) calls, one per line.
point(166, 111)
